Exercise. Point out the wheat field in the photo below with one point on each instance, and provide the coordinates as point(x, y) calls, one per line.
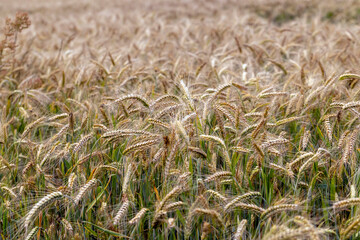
point(184, 119)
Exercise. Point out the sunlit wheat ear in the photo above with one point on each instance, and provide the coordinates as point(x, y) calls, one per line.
point(138, 216)
point(241, 198)
point(68, 227)
point(197, 151)
point(170, 159)
point(121, 213)
point(39, 206)
point(222, 143)
point(165, 98)
point(133, 97)
point(293, 233)
point(258, 128)
point(211, 213)
point(206, 230)
point(313, 94)
point(32, 233)
point(278, 208)
point(253, 115)
point(249, 207)
point(350, 146)
point(84, 189)
point(31, 126)
point(187, 94)
point(158, 155)
point(71, 181)
point(208, 103)
point(305, 139)
point(158, 123)
point(140, 146)
point(218, 175)
point(300, 104)
point(248, 129)
point(241, 149)
point(49, 153)
point(217, 195)
point(254, 173)
point(127, 177)
point(342, 138)
point(61, 132)
point(287, 171)
point(85, 158)
point(240, 229)
point(351, 105)
point(124, 133)
point(219, 90)
point(220, 122)
point(82, 142)
point(159, 212)
point(214, 139)
point(104, 114)
point(328, 129)
point(303, 222)
point(306, 164)
point(167, 110)
point(279, 141)
point(99, 126)
point(10, 191)
point(173, 206)
point(297, 160)
point(58, 117)
point(272, 94)
point(224, 112)
point(258, 149)
point(346, 203)
point(27, 167)
point(287, 120)
point(351, 229)
point(173, 193)
point(348, 76)
point(274, 152)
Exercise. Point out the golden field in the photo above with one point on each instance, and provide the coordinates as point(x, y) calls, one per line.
point(179, 119)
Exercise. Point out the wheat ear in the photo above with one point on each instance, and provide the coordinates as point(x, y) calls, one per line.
point(45, 201)
point(138, 216)
point(32, 233)
point(278, 208)
point(84, 189)
point(240, 229)
point(122, 211)
point(241, 197)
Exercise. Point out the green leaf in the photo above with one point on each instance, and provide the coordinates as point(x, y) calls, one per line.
point(104, 230)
